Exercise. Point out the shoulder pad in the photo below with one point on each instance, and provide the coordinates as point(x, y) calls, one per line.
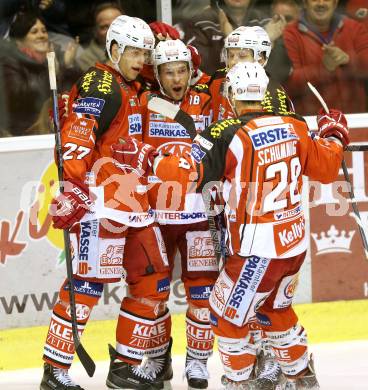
point(219, 74)
point(201, 88)
point(217, 128)
point(97, 81)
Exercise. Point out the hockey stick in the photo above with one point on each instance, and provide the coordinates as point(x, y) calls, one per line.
point(175, 113)
point(357, 148)
point(84, 358)
point(346, 175)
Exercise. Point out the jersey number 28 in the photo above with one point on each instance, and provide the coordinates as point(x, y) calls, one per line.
point(272, 200)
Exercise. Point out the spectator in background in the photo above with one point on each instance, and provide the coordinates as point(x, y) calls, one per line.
point(207, 31)
point(289, 9)
point(104, 14)
point(330, 51)
point(10, 8)
point(358, 10)
point(25, 74)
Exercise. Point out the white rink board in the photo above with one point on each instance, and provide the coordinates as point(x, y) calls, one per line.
point(339, 366)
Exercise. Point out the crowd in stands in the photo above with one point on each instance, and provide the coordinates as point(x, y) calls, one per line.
point(321, 41)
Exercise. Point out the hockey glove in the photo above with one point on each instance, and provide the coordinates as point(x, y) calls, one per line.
point(196, 58)
point(70, 207)
point(130, 153)
point(333, 124)
point(165, 30)
point(62, 109)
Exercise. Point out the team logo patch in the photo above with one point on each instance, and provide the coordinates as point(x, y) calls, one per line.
point(200, 292)
point(197, 153)
point(89, 105)
point(82, 129)
point(263, 319)
point(82, 311)
point(221, 293)
point(201, 254)
point(113, 255)
point(203, 142)
point(135, 124)
point(86, 288)
point(286, 291)
point(289, 234)
point(213, 320)
point(279, 215)
point(163, 285)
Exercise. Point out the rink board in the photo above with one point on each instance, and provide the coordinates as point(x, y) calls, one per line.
point(31, 255)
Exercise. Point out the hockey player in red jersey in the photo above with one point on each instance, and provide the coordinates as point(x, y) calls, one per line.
point(112, 228)
point(182, 216)
point(254, 45)
point(241, 45)
point(261, 158)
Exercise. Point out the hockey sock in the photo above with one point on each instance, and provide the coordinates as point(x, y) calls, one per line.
point(200, 338)
point(137, 330)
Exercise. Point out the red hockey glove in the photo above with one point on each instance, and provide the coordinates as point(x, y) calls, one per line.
point(164, 29)
point(196, 58)
point(70, 206)
point(130, 153)
point(333, 124)
point(63, 101)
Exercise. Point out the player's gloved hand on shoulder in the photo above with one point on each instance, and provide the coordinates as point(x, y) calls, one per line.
point(131, 153)
point(70, 206)
point(196, 58)
point(165, 30)
point(333, 124)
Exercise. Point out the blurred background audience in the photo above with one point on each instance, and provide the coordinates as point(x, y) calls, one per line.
point(322, 41)
point(24, 70)
point(104, 14)
point(331, 51)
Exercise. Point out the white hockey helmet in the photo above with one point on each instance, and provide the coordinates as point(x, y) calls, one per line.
point(264, 44)
point(246, 81)
point(241, 38)
point(128, 31)
point(173, 50)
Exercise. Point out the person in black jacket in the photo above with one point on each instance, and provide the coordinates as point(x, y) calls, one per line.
point(25, 76)
point(207, 32)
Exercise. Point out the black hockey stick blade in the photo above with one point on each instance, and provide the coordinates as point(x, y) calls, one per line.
point(86, 360)
point(173, 112)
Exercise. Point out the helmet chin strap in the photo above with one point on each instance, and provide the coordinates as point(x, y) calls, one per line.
point(115, 64)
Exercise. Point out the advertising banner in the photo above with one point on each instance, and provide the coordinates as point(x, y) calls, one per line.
point(32, 259)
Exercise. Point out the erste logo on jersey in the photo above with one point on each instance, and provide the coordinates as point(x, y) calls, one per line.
point(135, 124)
point(272, 135)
